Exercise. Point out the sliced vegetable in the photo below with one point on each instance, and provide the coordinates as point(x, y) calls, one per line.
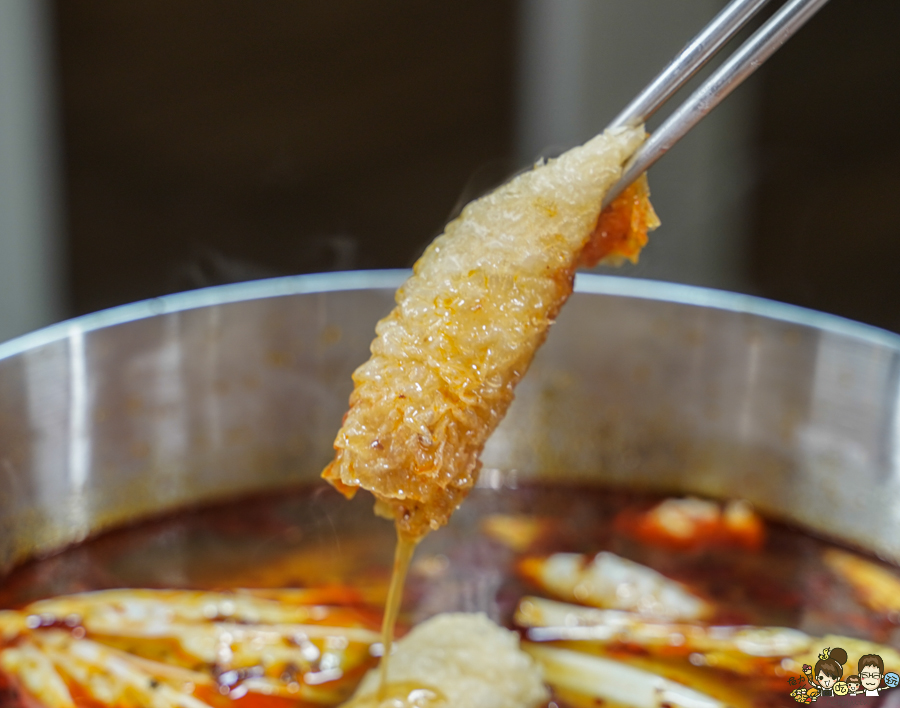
point(610, 680)
point(610, 581)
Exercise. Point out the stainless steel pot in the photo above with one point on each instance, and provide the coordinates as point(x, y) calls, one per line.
point(219, 392)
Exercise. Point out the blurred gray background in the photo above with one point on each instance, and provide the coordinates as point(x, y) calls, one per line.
point(159, 145)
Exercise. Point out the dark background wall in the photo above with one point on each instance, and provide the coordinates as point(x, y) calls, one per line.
point(827, 206)
point(208, 142)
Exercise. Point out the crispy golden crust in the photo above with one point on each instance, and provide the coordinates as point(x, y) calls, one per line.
point(466, 326)
point(621, 230)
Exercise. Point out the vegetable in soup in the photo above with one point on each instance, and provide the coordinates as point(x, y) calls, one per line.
point(623, 598)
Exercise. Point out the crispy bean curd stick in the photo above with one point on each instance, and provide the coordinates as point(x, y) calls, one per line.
point(467, 324)
point(456, 660)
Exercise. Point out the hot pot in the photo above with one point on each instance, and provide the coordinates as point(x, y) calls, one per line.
point(216, 393)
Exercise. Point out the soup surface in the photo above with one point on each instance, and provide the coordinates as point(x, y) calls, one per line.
point(490, 557)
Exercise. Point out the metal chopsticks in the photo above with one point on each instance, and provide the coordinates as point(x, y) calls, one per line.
point(688, 61)
point(747, 59)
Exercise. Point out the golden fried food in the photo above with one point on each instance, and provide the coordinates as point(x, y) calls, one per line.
point(456, 660)
point(467, 324)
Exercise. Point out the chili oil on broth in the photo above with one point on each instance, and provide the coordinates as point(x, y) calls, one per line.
point(313, 538)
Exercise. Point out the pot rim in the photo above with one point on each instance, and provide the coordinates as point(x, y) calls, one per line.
point(588, 283)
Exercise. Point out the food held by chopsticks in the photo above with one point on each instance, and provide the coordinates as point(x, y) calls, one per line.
point(479, 304)
point(467, 325)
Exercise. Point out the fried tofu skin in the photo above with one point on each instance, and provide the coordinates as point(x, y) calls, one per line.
point(456, 661)
point(466, 327)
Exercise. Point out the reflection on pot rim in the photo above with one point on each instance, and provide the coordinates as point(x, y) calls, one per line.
point(592, 283)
